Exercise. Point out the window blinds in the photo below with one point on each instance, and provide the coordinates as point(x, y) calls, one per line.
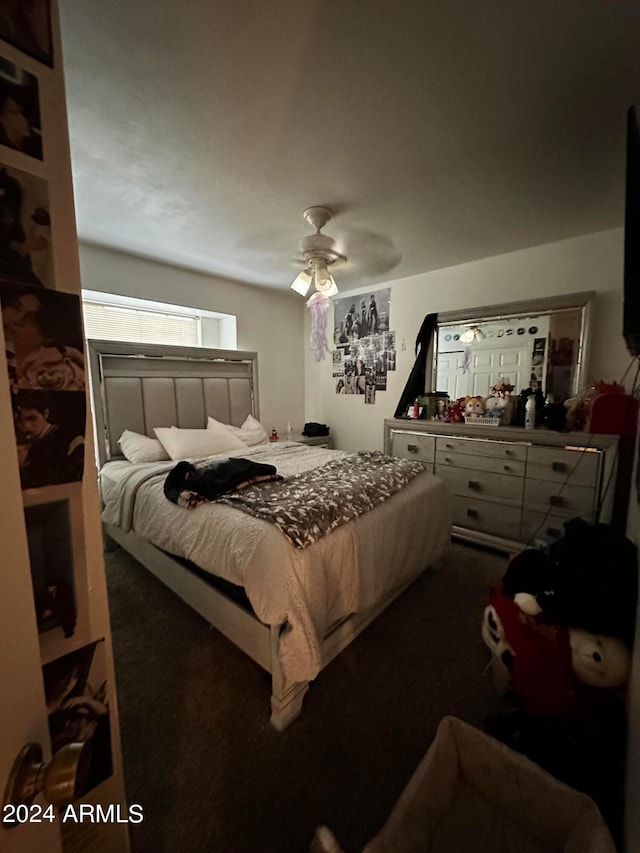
point(138, 325)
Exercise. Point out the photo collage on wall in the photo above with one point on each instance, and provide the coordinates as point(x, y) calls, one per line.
point(365, 348)
point(43, 341)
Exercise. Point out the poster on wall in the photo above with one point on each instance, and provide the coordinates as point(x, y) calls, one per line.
point(362, 335)
point(20, 127)
point(43, 340)
point(77, 696)
point(370, 387)
point(43, 332)
point(356, 317)
point(52, 565)
point(57, 560)
point(26, 24)
point(25, 230)
point(49, 428)
point(381, 371)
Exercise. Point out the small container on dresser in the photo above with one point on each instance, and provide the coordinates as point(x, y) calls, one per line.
point(511, 485)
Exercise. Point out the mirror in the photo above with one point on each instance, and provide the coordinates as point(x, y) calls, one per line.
point(539, 344)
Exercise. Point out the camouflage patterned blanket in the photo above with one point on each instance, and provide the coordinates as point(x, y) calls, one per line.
point(310, 505)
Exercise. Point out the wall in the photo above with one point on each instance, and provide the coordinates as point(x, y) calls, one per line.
point(593, 262)
point(268, 321)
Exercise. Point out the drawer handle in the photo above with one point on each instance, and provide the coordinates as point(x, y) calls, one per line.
point(556, 500)
point(449, 446)
point(472, 513)
point(447, 459)
point(553, 531)
point(474, 484)
point(508, 453)
point(558, 466)
point(412, 448)
point(507, 467)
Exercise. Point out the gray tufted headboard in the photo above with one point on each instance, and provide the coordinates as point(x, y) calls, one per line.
point(142, 386)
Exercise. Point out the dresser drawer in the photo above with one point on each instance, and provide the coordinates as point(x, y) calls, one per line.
point(500, 487)
point(538, 525)
point(578, 467)
point(562, 499)
point(487, 517)
point(413, 445)
point(495, 449)
point(452, 459)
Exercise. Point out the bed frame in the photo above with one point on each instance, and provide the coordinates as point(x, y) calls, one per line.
point(140, 387)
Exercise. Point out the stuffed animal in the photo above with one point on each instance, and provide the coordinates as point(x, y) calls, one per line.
point(495, 407)
point(456, 411)
point(566, 617)
point(473, 407)
point(536, 653)
point(587, 580)
point(552, 668)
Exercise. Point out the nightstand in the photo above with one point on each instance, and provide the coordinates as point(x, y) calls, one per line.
point(317, 440)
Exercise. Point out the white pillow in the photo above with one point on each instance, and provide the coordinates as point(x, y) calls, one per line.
point(140, 448)
point(251, 432)
point(185, 443)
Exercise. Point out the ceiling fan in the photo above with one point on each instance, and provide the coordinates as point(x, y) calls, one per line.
point(318, 254)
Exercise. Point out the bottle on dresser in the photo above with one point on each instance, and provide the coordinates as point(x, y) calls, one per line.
point(530, 412)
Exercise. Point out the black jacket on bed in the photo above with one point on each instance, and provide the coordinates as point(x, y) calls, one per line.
point(216, 478)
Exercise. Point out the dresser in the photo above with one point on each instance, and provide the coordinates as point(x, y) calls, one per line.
point(511, 486)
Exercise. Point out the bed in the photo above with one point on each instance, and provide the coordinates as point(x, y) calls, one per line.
point(291, 609)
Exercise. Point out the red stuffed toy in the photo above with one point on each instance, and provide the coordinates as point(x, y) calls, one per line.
point(537, 652)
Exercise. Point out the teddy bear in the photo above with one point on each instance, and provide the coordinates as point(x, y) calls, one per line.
point(473, 407)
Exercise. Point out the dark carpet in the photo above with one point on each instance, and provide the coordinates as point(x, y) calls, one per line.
point(210, 771)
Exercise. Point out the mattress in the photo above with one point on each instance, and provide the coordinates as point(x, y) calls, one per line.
point(310, 589)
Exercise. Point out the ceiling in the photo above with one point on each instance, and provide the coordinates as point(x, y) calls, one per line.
point(439, 132)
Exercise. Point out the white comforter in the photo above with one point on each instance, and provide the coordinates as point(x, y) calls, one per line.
point(351, 569)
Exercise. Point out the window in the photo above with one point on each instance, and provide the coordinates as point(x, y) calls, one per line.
point(121, 318)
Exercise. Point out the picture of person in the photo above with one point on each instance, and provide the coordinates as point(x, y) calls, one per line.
point(49, 429)
point(19, 110)
point(365, 327)
point(381, 371)
point(52, 569)
point(26, 24)
point(340, 388)
point(25, 230)
point(373, 315)
point(43, 331)
point(360, 384)
point(367, 316)
point(350, 384)
point(370, 388)
point(391, 360)
point(77, 703)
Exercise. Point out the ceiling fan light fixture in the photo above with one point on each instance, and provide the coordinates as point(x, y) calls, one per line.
point(302, 282)
point(323, 276)
point(328, 288)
